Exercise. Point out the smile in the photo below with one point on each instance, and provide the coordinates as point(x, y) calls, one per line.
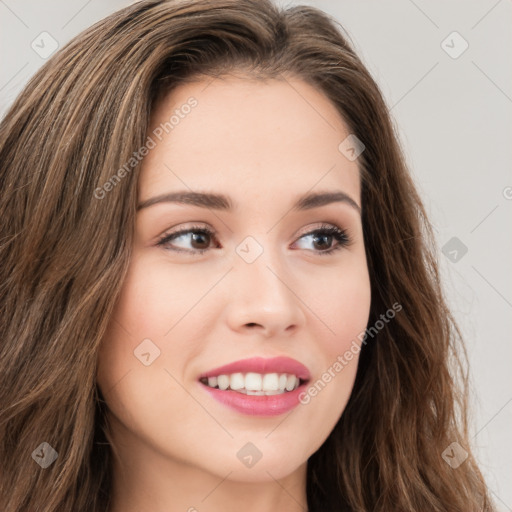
point(255, 384)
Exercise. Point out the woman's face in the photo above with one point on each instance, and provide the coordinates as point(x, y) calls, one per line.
point(263, 285)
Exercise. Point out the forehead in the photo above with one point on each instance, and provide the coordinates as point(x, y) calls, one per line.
point(257, 137)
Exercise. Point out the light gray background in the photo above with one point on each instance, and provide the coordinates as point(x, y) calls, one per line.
point(454, 116)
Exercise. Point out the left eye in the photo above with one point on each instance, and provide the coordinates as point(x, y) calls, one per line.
point(324, 237)
point(201, 238)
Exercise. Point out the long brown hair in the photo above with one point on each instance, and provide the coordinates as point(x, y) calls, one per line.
point(64, 252)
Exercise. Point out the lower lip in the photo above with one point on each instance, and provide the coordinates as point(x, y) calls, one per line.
point(257, 405)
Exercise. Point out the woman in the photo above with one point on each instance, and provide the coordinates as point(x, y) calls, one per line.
point(219, 286)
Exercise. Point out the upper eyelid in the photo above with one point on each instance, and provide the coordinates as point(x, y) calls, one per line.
point(322, 225)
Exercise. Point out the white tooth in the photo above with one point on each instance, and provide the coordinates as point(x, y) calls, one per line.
point(237, 381)
point(270, 382)
point(253, 382)
point(290, 382)
point(282, 381)
point(212, 382)
point(274, 392)
point(297, 383)
point(258, 393)
point(223, 381)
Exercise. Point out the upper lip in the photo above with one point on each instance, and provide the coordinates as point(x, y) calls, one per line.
point(280, 364)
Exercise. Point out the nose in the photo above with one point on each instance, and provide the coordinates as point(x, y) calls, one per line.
point(262, 298)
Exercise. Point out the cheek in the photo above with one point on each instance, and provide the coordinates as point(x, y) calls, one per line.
point(154, 315)
point(138, 317)
point(169, 304)
point(345, 310)
point(142, 396)
point(152, 297)
point(343, 317)
point(349, 311)
point(342, 306)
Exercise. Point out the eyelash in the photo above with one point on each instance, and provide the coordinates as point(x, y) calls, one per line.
point(340, 235)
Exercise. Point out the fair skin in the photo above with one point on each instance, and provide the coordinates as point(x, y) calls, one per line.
point(263, 144)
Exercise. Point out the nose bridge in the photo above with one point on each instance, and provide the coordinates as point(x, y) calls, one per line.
point(263, 293)
point(258, 260)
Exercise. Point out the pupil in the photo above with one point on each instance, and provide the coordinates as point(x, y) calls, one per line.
point(195, 237)
point(322, 237)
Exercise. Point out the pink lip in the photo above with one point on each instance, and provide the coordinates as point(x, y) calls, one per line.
point(271, 405)
point(280, 364)
point(264, 405)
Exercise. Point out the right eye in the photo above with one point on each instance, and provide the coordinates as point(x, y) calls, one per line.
point(200, 235)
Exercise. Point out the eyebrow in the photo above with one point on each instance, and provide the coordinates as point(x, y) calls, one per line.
point(222, 202)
